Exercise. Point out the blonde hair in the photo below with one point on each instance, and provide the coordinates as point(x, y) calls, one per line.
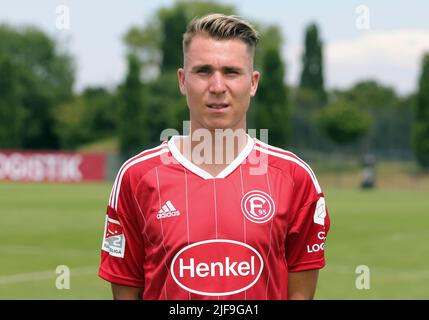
point(221, 27)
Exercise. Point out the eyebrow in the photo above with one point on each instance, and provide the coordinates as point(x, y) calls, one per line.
point(209, 67)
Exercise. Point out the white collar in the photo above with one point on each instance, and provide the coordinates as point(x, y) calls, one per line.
point(202, 173)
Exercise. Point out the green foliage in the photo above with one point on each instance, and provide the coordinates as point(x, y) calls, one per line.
point(390, 131)
point(89, 116)
point(306, 99)
point(421, 125)
point(307, 133)
point(148, 37)
point(45, 77)
point(132, 121)
point(369, 95)
point(101, 112)
point(422, 110)
point(70, 123)
point(312, 63)
point(145, 43)
point(166, 106)
point(270, 37)
point(421, 143)
point(12, 112)
point(310, 96)
point(272, 108)
point(343, 123)
point(173, 26)
point(392, 128)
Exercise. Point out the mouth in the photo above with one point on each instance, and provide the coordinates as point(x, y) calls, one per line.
point(217, 106)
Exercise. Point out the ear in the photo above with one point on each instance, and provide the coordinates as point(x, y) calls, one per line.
point(255, 81)
point(181, 77)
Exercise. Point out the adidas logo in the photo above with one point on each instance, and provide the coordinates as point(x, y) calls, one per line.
point(167, 211)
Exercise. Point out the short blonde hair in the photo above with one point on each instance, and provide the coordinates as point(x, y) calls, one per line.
point(221, 27)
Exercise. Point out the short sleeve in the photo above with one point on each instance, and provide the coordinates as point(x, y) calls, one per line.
point(122, 252)
point(309, 224)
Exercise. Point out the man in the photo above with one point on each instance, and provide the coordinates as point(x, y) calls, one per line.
point(184, 223)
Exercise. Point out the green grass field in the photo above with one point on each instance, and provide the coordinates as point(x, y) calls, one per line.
point(46, 225)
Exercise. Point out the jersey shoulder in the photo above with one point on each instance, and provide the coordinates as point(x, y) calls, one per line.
point(289, 163)
point(133, 170)
point(146, 160)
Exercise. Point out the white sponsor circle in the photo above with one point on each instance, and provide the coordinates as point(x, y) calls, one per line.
point(217, 267)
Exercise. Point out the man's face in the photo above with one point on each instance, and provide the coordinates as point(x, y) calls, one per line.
point(218, 81)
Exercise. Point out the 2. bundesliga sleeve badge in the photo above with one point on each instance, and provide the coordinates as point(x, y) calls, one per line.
point(114, 239)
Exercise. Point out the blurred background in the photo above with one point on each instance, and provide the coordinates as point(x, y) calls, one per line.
point(84, 85)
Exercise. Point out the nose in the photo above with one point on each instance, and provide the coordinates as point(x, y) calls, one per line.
point(217, 83)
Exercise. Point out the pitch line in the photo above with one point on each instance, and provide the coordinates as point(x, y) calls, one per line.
point(44, 275)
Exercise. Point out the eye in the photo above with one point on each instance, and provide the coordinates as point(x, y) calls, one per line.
point(231, 72)
point(203, 71)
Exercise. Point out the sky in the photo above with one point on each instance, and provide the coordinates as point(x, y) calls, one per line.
point(374, 39)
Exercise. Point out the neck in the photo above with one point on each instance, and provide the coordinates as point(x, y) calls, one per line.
point(218, 147)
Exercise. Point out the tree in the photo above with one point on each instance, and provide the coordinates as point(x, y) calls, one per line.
point(310, 95)
point(421, 124)
point(101, 112)
point(12, 112)
point(390, 130)
point(47, 76)
point(166, 107)
point(312, 64)
point(369, 95)
point(343, 123)
point(88, 117)
point(132, 121)
point(173, 25)
point(71, 126)
point(272, 108)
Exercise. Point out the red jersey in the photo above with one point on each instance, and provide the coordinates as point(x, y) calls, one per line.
point(181, 233)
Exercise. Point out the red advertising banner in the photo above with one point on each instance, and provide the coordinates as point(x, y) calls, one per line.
point(45, 166)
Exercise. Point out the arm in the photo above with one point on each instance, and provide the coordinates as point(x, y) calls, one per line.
point(121, 292)
point(302, 285)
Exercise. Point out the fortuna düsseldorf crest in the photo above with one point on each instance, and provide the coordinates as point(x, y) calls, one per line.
point(258, 206)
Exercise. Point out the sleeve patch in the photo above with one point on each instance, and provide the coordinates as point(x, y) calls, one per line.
point(114, 239)
point(320, 212)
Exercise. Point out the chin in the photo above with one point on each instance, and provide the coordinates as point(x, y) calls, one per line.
point(218, 125)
